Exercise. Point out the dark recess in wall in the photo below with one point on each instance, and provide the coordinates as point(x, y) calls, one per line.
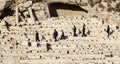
point(54, 6)
point(6, 12)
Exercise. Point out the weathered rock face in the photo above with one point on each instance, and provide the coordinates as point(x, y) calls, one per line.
point(4, 4)
point(109, 5)
point(40, 8)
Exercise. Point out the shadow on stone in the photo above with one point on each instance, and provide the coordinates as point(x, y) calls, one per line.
point(54, 6)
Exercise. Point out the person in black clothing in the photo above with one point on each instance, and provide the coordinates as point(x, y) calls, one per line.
point(48, 47)
point(55, 35)
point(108, 30)
point(74, 30)
point(63, 35)
point(83, 31)
point(37, 37)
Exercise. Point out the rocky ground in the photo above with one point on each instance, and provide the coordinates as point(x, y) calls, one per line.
point(18, 29)
point(95, 48)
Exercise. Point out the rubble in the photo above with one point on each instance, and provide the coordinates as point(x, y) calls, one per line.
point(17, 41)
point(41, 8)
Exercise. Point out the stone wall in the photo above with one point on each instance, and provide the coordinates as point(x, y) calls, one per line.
point(40, 9)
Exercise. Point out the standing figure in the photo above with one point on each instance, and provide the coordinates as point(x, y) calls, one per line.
point(62, 35)
point(108, 30)
point(37, 37)
point(83, 31)
point(74, 30)
point(55, 35)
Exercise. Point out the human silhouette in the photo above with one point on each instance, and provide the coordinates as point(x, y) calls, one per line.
point(55, 35)
point(83, 31)
point(74, 30)
point(37, 37)
point(62, 35)
point(108, 31)
point(48, 47)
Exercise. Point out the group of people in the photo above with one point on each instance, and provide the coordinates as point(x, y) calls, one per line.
point(83, 31)
point(63, 36)
point(55, 35)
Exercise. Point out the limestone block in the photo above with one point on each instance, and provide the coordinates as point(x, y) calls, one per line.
point(28, 4)
point(21, 7)
point(21, 1)
point(8, 61)
point(2, 22)
point(37, 6)
point(29, 20)
point(32, 21)
point(10, 20)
